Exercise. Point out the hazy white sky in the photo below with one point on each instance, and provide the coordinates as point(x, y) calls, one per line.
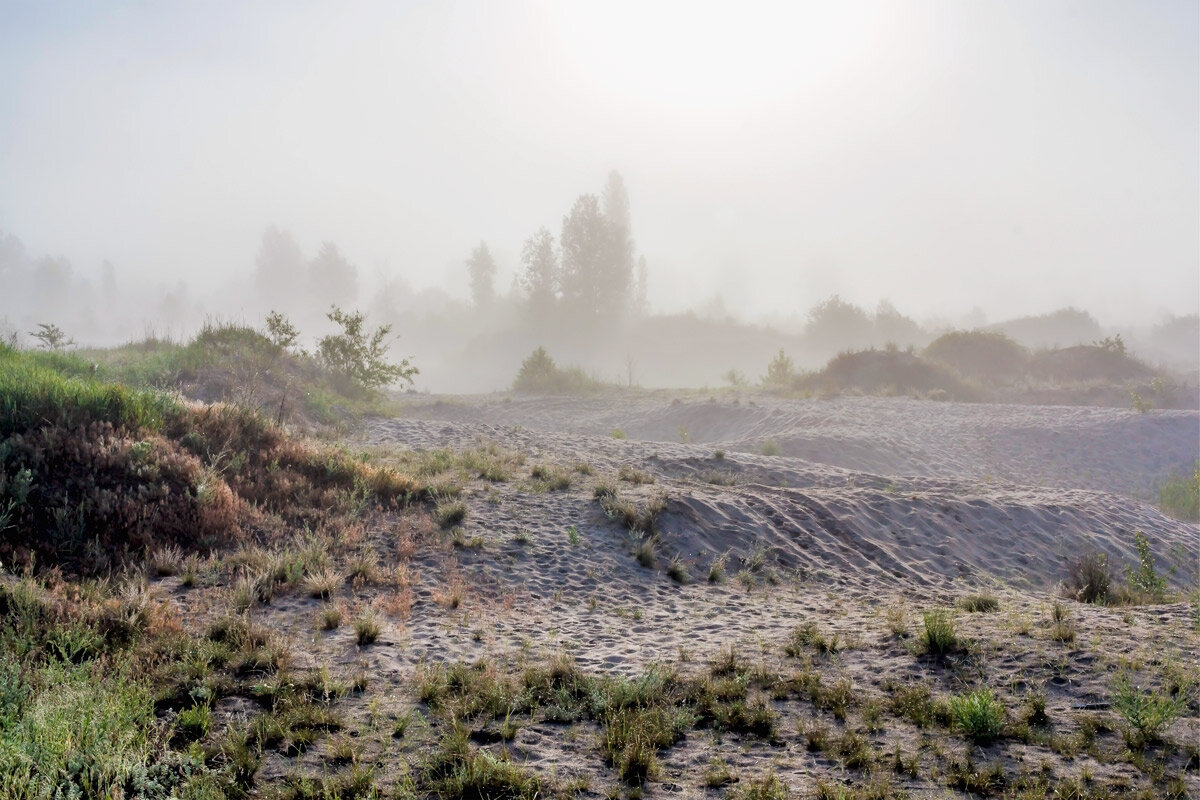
point(1017, 156)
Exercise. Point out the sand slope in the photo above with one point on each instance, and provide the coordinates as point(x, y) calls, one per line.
point(1063, 446)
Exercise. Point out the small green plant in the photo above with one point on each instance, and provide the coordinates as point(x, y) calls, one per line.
point(194, 723)
point(449, 513)
point(573, 536)
point(768, 787)
point(716, 570)
point(1179, 495)
point(330, 617)
point(678, 570)
point(617, 433)
point(1146, 713)
point(646, 552)
point(781, 372)
point(979, 603)
point(367, 628)
point(771, 448)
point(978, 715)
point(937, 634)
point(1145, 580)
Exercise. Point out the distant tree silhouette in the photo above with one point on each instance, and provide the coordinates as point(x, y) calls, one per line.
point(641, 305)
point(481, 268)
point(616, 213)
point(835, 325)
point(331, 278)
point(279, 269)
point(595, 270)
point(892, 326)
point(108, 281)
point(539, 277)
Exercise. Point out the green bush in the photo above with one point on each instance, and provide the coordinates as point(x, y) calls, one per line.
point(360, 356)
point(937, 634)
point(978, 715)
point(1146, 713)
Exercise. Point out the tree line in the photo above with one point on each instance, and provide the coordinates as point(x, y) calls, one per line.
point(588, 275)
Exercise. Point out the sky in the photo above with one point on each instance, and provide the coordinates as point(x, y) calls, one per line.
point(1012, 156)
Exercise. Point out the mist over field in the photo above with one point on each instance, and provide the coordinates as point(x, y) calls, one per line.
point(662, 194)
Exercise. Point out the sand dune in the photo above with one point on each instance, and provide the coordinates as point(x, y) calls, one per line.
point(1061, 446)
point(866, 489)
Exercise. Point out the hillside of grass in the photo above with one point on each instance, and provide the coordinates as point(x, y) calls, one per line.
point(92, 470)
point(229, 363)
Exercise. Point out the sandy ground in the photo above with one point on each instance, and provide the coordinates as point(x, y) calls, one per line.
point(1061, 446)
point(871, 504)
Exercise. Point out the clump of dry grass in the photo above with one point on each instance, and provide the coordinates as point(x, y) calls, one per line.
point(323, 583)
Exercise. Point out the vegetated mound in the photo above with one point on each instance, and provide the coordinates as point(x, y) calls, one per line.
point(894, 372)
point(989, 356)
point(1087, 362)
point(228, 363)
point(540, 375)
point(92, 470)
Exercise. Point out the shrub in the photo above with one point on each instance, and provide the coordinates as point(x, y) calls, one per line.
point(978, 715)
point(360, 356)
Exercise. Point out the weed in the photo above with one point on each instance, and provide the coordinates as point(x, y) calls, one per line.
point(448, 513)
point(323, 583)
point(678, 570)
point(716, 570)
point(1146, 713)
point(937, 634)
point(367, 628)
point(979, 603)
point(718, 774)
point(1145, 580)
point(978, 715)
point(1179, 495)
point(632, 475)
point(768, 787)
point(330, 617)
point(1089, 577)
point(646, 552)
